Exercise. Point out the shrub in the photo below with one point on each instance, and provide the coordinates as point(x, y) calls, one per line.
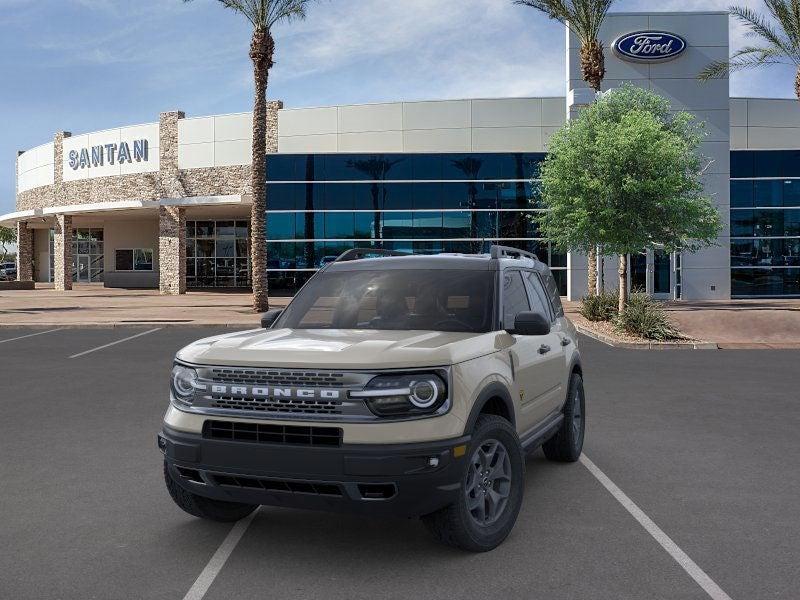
point(601, 307)
point(646, 318)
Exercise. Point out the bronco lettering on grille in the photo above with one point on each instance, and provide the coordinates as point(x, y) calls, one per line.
point(275, 392)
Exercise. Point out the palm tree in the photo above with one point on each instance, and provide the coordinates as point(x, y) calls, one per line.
point(780, 41)
point(584, 19)
point(376, 168)
point(263, 15)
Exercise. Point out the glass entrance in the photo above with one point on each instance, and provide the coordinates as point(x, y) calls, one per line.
point(651, 272)
point(87, 255)
point(638, 269)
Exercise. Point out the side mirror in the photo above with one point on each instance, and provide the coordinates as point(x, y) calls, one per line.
point(530, 323)
point(269, 317)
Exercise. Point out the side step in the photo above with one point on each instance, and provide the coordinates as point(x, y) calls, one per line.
point(542, 432)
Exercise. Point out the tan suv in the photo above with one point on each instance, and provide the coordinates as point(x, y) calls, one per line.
point(391, 385)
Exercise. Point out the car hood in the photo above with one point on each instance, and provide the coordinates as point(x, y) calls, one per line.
point(339, 348)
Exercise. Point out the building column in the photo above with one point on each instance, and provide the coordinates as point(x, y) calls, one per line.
point(62, 253)
point(24, 252)
point(171, 250)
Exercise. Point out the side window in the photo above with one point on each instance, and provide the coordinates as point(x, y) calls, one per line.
point(539, 302)
point(515, 299)
point(555, 296)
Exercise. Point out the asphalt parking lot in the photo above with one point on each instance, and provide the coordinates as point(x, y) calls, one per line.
point(704, 443)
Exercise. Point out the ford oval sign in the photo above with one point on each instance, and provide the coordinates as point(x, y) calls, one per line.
point(649, 46)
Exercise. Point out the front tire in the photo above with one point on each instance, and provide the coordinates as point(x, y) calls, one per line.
point(567, 444)
point(205, 508)
point(491, 490)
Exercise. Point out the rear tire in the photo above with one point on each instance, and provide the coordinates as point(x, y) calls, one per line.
point(491, 490)
point(567, 444)
point(205, 508)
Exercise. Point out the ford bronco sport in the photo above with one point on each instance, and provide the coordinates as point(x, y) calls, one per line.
point(390, 385)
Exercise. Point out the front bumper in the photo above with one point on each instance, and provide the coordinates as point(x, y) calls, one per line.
point(405, 480)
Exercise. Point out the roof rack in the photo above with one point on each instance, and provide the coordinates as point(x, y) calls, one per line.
point(497, 252)
point(359, 253)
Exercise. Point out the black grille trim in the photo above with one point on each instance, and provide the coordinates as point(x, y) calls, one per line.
point(262, 433)
point(279, 485)
point(273, 377)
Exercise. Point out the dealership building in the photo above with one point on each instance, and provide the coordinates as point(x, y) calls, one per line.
point(167, 204)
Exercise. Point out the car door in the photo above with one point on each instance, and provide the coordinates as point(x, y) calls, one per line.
point(555, 362)
point(532, 367)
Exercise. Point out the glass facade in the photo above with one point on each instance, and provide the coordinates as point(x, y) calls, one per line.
point(217, 254)
point(765, 223)
point(320, 205)
point(88, 262)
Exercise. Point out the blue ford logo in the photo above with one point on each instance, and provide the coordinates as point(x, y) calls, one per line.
point(649, 46)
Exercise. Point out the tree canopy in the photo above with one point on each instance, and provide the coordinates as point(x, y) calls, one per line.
point(626, 174)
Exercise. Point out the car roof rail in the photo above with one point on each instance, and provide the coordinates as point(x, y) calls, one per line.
point(359, 253)
point(498, 252)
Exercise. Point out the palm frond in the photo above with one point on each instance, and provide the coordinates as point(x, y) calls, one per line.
point(745, 58)
point(787, 14)
point(583, 17)
point(759, 26)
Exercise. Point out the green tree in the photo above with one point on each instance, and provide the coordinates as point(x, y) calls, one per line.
point(584, 19)
point(263, 15)
point(626, 174)
point(7, 236)
point(778, 37)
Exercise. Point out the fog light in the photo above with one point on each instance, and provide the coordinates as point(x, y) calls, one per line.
point(162, 443)
point(433, 461)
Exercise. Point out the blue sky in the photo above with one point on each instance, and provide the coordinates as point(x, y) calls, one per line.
point(84, 65)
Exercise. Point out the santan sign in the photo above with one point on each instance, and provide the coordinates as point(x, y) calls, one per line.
point(649, 46)
point(97, 156)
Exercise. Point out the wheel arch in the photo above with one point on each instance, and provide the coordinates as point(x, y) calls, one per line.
point(494, 399)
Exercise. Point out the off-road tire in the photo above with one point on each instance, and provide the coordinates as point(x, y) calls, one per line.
point(454, 525)
point(205, 508)
point(566, 445)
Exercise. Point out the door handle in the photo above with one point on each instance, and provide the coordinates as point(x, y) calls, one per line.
point(565, 341)
point(544, 349)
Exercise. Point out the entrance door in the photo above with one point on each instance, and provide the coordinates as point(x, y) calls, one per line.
point(662, 271)
point(651, 272)
point(638, 270)
point(83, 268)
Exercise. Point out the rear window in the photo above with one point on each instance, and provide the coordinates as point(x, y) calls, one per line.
point(413, 299)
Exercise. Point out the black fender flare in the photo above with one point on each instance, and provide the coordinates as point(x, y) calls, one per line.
point(492, 390)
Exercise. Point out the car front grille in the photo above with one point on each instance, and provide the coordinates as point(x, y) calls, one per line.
point(275, 377)
point(272, 434)
point(277, 405)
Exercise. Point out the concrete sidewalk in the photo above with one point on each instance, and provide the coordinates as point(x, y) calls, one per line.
point(93, 305)
point(735, 324)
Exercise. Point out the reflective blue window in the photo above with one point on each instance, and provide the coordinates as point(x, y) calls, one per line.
point(339, 196)
point(426, 195)
point(339, 225)
point(741, 194)
point(367, 225)
point(280, 226)
point(742, 164)
point(768, 193)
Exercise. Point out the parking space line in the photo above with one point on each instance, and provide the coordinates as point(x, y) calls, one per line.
point(214, 566)
point(115, 343)
point(695, 572)
point(22, 337)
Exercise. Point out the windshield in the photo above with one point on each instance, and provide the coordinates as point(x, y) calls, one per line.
point(437, 300)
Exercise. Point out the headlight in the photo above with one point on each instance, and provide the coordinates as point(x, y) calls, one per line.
point(404, 395)
point(183, 383)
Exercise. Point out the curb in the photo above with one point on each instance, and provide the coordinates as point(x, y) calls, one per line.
point(609, 341)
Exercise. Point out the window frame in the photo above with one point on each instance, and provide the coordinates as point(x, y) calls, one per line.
point(133, 268)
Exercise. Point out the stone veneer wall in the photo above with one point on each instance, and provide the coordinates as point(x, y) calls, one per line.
point(169, 182)
point(24, 252)
point(62, 250)
point(172, 250)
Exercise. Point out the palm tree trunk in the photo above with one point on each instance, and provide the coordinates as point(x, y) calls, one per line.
point(593, 70)
point(797, 84)
point(623, 282)
point(593, 67)
point(261, 51)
